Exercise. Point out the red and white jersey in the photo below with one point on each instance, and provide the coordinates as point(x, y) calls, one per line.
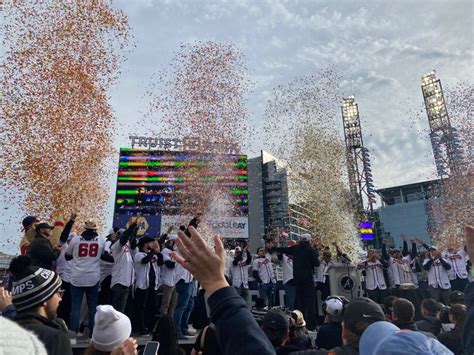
point(401, 272)
point(240, 274)
point(265, 269)
point(374, 275)
point(85, 263)
point(321, 272)
point(63, 266)
point(123, 272)
point(437, 275)
point(458, 262)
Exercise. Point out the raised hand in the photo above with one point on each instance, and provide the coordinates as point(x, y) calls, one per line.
point(73, 215)
point(128, 347)
point(206, 265)
point(5, 298)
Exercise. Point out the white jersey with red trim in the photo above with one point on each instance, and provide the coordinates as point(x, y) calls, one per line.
point(458, 262)
point(85, 263)
point(437, 275)
point(240, 274)
point(401, 272)
point(123, 271)
point(374, 275)
point(264, 268)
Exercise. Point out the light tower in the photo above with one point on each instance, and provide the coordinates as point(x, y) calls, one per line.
point(444, 138)
point(358, 159)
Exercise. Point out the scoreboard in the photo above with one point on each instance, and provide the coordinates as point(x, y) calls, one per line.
point(168, 184)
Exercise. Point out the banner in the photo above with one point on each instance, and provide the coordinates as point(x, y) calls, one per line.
point(225, 227)
point(149, 225)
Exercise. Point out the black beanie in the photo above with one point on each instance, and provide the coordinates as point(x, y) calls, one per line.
point(31, 285)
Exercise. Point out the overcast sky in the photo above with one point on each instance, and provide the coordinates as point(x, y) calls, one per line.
point(381, 48)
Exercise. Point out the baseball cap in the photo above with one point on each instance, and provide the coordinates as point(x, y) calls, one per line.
point(457, 297)
point(276, 319)
point(299, 318)
point(29, 220)
point(359, 310)
point(386, 338)
point(334, 308)
point(145, 239)
point(43, 225)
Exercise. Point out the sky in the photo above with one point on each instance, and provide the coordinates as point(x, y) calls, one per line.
point(381, 49)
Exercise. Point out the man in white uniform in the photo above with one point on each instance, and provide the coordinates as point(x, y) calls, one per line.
point(438, 279)
point(374, 277)
point(170, 297)
point(240, 271)
point(263, 273)
point(85, 253)
point(458, 272)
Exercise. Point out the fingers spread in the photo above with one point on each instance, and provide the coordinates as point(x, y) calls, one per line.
point(197, 239)
point(218, 246)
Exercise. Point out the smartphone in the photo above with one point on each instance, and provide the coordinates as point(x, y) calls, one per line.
point(151, 348)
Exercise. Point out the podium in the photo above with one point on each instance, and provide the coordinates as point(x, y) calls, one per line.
point(344, 280)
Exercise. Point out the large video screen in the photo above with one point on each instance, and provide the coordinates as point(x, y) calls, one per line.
point(163, 188)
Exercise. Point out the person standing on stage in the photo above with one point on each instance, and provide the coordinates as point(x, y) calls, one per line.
point(288, 279)
point(240, 271)
point(438, 279)
point(262, 271)
point(305, 259)
point(170, 297)
point(458, 272)
point(374, 276)
point(399, 263)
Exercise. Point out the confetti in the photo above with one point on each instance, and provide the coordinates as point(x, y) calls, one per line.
point(56, 122)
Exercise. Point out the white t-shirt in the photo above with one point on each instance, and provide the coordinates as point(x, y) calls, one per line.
point(287, 266)
point(106, 267)
point(374, 275)
point(123, 272)
point(458, 262)
point(63, 266)
point(265, 269)
point(321, 272)
point(142, 280)
point(85, 263)
point(437, 275)
point(167, 274)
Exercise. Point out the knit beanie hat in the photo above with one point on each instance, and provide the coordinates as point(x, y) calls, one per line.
point(111, 328)
point(31, 285)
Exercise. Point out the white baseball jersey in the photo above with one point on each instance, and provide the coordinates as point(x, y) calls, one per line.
point(265, 269)
point(85, 263)
point(287, 266)
point(167, 274)
point(63, 266)
point(374, 275)
point(401, 270)
point(458, 262)
point(321, 272)
point(437, 275)
point(142, 279)
point(240, 274)
point(123, 272)
point(180, 273)
point(106, 267)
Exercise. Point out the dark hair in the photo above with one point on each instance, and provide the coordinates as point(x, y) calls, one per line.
point(431, 306)
point(165, 333)
point(207, 342)
point(458, 311)
point(388, 304)
point(403, 309)
point(20, 267)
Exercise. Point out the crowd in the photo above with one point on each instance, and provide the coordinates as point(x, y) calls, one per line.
point(123, 286)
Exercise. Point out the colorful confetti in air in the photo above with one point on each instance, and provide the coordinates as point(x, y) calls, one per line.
point(56, 122)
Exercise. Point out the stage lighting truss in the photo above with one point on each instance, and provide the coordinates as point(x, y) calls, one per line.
point(447, 150)
point(358, 158)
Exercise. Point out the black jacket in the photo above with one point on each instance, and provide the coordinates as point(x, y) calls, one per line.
point(305, 259)
point(453, 341)
point(53, 334)
point(42, 253)
point(235, 325)
point(468, 335)
point(429, 324)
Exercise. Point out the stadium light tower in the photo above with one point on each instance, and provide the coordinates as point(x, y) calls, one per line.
point(361, 182)
point(444, 138)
